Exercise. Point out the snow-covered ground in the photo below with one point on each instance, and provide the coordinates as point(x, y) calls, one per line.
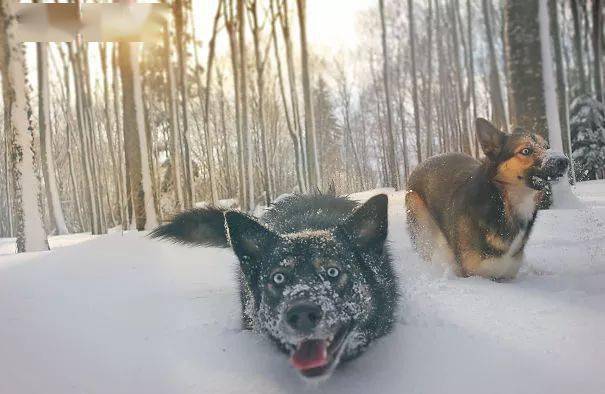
point(124, 314)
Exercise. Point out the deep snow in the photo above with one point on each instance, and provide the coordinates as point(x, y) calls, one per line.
point(125, 314)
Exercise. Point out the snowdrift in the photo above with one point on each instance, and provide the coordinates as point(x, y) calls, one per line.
point(124, 314)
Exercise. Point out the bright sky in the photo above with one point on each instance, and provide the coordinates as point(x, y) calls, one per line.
point(331, 24)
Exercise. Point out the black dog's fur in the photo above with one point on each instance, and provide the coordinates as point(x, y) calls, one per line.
point(300, 238)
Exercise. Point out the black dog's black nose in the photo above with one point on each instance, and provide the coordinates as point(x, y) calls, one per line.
point(304, 317)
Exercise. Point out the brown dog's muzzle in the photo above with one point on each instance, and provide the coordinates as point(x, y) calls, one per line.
point(554, 165)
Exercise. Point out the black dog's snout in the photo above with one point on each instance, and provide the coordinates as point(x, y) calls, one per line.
point(304, 317)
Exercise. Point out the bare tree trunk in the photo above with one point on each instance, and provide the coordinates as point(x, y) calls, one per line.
point(391, 158)
point(597, 26)
point(561, 80)
point(284, 22)
point(310, 138)
point(7, 164)
point(383, 158)
point(112, 148)
point(249, 204)
point(587, 44)
point(227, 155)
point(175, 156)
point(462, 109)
point(441, 78)
point(125, 199)
point(260, 82)
point(429, 86)
point(180, 41)
point(230, 24)
point(84, 158)
point(563, 196)
point(289, 123)
point(525, 66)
point(31, 235)
point(206, 100)
point(72, 180)
point(345, 96)
point(401, 112)
point(135, 139)
point(499, 115)
point(577, 47)
point(90, 137)
point(414, 80)
point(46, 155)
point(471, 62)
point(152, 182)
point(68, 134)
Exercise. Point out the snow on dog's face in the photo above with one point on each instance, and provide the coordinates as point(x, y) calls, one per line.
point(311, 291)
point(521, 158)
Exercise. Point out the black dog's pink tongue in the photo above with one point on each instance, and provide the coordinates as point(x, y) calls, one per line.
point(310, 354)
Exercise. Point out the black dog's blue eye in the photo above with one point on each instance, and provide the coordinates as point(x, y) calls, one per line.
point(279, 278)
point(527, 151)
point(333, 272)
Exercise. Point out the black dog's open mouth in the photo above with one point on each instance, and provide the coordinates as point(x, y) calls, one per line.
point(315, 357)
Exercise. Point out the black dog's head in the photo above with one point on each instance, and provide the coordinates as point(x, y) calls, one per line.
point(314, 292)
point(521, 158)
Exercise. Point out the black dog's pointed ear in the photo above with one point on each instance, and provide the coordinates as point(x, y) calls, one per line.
point(491, 139)
point(368, 225)
point(249, 238)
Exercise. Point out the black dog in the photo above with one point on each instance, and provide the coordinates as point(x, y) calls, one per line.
point(315, 277)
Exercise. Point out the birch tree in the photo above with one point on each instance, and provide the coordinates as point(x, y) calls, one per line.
point(46, 154)
point(563, 197)
point(27, 202)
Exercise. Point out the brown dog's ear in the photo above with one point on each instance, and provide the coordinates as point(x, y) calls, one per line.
point(491, 139)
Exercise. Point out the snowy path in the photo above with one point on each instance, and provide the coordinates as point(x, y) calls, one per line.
point(123, 314)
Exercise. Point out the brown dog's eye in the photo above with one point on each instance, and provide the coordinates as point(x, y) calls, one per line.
point(527, 151)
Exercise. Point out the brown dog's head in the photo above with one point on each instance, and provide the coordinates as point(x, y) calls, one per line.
point(520, 158)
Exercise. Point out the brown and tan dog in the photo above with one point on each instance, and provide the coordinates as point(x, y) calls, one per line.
point(480, 213)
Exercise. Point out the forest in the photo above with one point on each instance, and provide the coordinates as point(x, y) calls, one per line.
point(233, 104)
